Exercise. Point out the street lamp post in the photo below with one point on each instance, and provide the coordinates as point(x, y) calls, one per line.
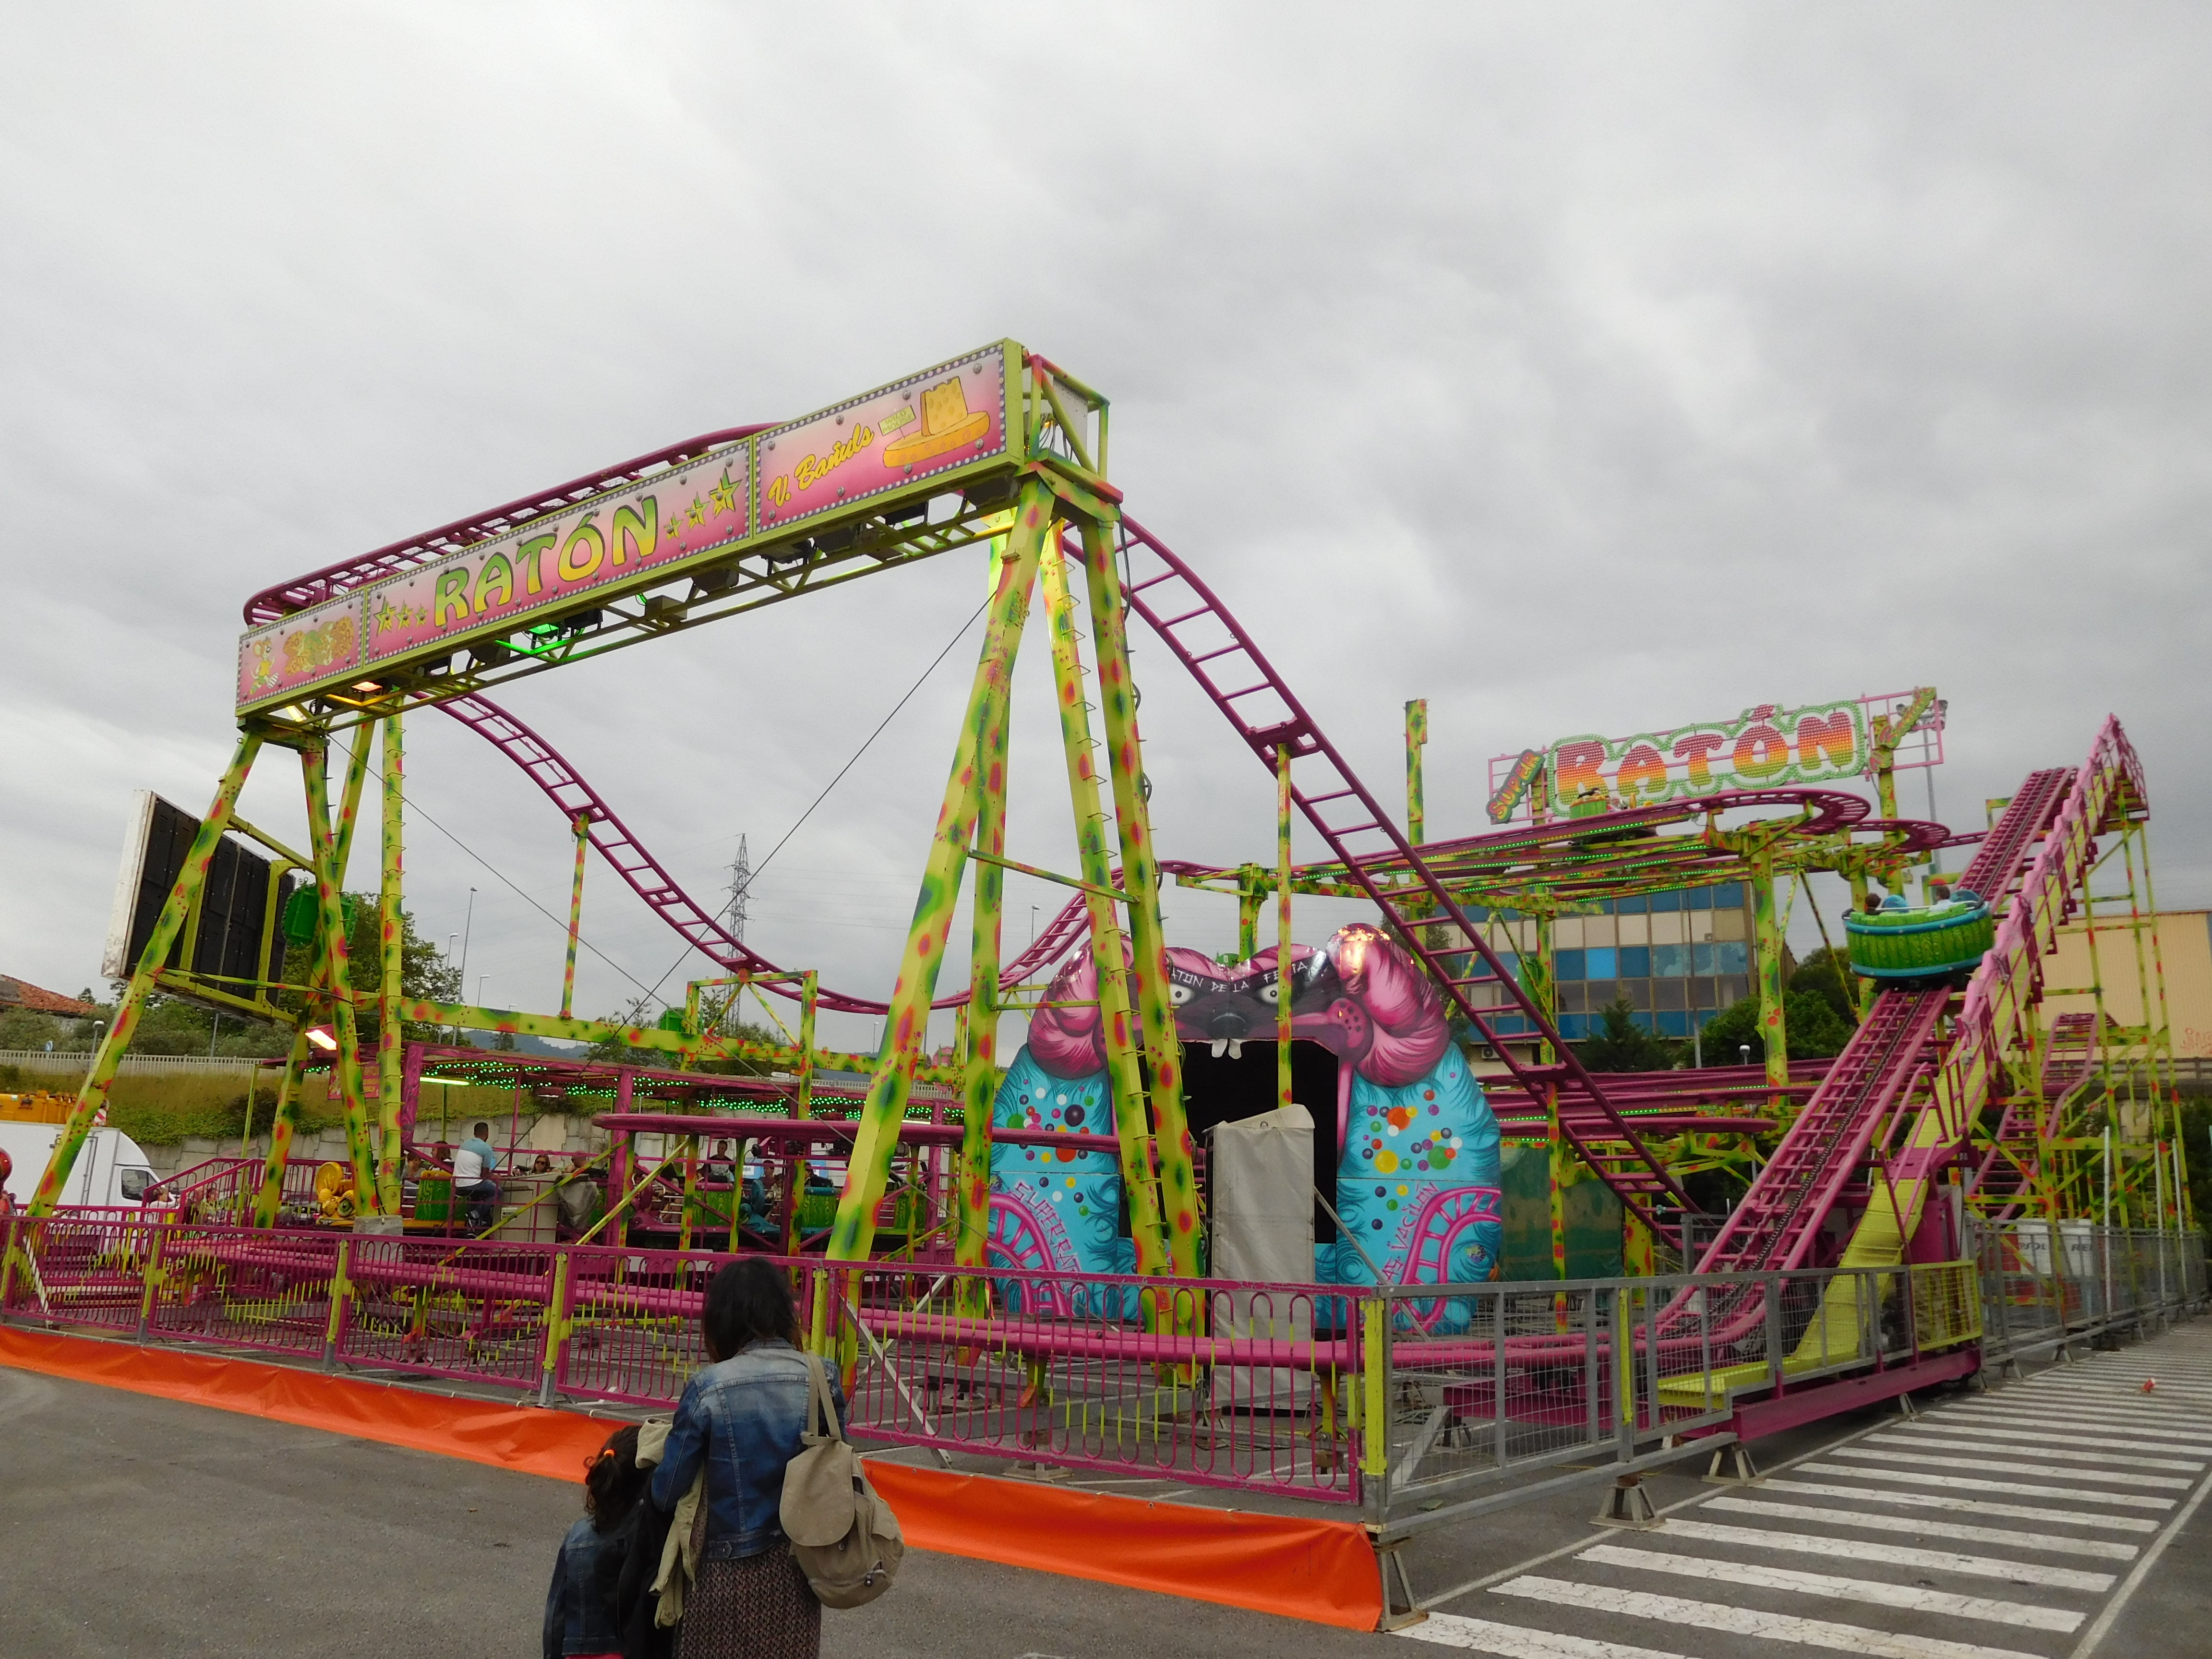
point(468, 920)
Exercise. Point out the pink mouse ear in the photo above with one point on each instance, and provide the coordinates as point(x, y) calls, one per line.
point(1070, 1042)
point(1411, 1029)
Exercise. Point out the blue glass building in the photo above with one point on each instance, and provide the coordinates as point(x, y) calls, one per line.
point(1679, 957)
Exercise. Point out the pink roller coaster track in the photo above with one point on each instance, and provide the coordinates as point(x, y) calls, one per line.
point(568, 789)
point(2021, 856)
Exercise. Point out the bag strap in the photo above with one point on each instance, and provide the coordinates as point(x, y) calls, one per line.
point(818, 1399)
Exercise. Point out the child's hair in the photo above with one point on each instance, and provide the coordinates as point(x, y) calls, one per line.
point(612, 1480)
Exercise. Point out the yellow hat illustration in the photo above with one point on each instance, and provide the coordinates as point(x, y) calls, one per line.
point(945, 424)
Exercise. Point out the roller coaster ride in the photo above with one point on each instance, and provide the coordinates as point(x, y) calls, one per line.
point(1943, 1086)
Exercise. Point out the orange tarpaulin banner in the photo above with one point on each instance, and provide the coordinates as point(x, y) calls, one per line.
point(555, 1444)
point(1320, 1571)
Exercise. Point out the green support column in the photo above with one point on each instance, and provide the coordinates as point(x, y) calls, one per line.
point(1539, 974)
point(1554, 1186)
point(1251, 898)
point(1865, 988)
point(1417, 814)
point(183, 901)
point(795, 1169)
point(1766, 942)
point(583, 827)
point(391, 935)
point(1417, 738)
point(324, 836)
point(907, 1024)
point(1140, 880)
point(1125, 1072)
point(269, 1201)
point(979, 1031)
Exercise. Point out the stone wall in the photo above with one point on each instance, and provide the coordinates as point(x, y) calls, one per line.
point(549, 1132)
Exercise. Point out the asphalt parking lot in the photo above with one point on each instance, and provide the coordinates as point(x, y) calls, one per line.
point(139, 1526)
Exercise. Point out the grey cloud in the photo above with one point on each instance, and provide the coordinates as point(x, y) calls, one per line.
point(1583, 368)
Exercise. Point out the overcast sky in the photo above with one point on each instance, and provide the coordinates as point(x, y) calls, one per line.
point(1580, 369)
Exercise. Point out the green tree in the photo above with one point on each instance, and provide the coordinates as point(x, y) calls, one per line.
point(2196, 1155)
point(1812, 1028)
point(1622, 1045)
point(24, 1027)
point(1828, 973)
point(425, 975)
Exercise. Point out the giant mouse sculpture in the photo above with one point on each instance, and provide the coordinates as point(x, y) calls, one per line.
point(1417, 1185)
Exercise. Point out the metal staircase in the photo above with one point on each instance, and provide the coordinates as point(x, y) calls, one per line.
point(1269, 717)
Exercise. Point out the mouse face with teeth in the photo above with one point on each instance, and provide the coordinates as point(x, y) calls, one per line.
point(1225, 1006)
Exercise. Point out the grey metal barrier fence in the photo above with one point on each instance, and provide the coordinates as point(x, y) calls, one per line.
point(1490, 1384)
point(2047, 1283)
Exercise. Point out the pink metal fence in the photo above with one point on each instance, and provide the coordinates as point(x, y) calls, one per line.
point(1201, 1382)
point(243, 1288)
point(1196, 1383)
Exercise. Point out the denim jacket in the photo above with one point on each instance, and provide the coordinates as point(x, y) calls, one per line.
point(742, 1420)
point(579, 1606)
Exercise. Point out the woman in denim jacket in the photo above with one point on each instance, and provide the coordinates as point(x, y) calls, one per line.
point(740, 1419)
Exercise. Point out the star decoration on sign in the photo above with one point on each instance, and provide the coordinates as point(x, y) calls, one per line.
point(698, 514)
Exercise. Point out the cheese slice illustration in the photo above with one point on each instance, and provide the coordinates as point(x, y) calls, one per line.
point(946, 424)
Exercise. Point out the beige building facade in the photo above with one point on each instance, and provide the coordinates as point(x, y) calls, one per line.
point(2175, 947)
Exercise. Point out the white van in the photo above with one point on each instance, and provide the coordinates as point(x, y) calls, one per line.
point(111, 1169)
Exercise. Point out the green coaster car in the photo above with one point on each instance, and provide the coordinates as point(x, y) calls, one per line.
point(1901, 942)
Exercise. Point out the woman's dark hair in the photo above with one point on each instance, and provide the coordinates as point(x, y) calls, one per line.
point(747, 1301)
point(612, 1480)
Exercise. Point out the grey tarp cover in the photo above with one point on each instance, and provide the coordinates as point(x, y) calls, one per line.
point(1263, 1205)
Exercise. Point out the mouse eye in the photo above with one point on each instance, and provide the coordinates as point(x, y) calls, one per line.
point(1270, 992)
point(1179, 994)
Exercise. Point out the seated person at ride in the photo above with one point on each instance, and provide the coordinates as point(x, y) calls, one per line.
point(474, 1161)
point(718, 1166)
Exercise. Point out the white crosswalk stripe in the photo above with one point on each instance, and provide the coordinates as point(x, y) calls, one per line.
point(1746, 1621)
point(2055, 1454)
point(1921, 1527)
point(2011, 1524)
point(1910, 1597)
point(2152, 1437)
point(1449, 1630)
point(2000, 1466)
point(1965, 1483)
point(2123, 1413)
point(1953, 1422)
point(2177, 1395)
point(1902, 1555)
point(2159, 1398)
point(2117, 1408)
point(1961, 1505)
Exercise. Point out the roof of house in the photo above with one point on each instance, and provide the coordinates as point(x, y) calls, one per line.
point(22, 993)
